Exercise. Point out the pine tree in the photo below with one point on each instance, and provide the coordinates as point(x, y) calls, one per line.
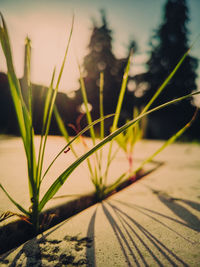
point(169, 44)
point(101, 59)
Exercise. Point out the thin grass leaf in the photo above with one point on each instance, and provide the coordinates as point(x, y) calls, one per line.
point(128, 138)
point(14, 83)
point(94, 173)
point(85, 101)
point(101, 111)
point(166, 81)
point(63, 177)
point(28, 76)
point(44, 126)
point(29, 125)
point(118, 110)
point(114, 154)
point(49, 116)
point(168, 142)
point(48, 102)
point(101, 104)
point(14, 202)
point(122, 141)
point(137, 130)
point(121, 95)
point(5, 215)
point(23, 116)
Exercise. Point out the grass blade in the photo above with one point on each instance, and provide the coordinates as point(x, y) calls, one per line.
point(85, 101)
point(44, 126)
point(13, 81)
point(166, 81)
point(118, 110)
point(23, 116)
point(14, 202)
point(101, 104)
point(51, 106)
point(168, 142)
point(29, 125)
point(121, 95)
point(101, 111)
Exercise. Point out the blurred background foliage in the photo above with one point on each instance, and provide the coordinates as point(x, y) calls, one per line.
point(168, 44)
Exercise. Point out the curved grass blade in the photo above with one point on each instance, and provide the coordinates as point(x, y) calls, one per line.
point(13, 81)
point(168, 142)
point(14, 202)
point(166, 81)
point(23, 116)
point(51, 106)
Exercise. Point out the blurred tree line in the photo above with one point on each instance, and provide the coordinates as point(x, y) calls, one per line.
point(168, 44)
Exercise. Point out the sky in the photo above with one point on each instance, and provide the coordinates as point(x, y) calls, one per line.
point(48, 22)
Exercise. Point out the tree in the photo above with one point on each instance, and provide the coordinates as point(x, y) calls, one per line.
point(169, 44)
point(101, 59)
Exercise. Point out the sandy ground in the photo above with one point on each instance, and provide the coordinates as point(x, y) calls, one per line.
point(13, 170)
point(154, 222)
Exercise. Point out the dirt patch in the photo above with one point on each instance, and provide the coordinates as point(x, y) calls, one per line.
point(69, 251)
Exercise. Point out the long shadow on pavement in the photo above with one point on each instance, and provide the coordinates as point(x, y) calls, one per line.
point(131, 233)
point(150, 213)
point(90, 252)
point(174, 204)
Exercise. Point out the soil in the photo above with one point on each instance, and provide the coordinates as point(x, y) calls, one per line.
point(69, 251)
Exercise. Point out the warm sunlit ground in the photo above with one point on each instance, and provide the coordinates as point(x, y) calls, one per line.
point(154, 221)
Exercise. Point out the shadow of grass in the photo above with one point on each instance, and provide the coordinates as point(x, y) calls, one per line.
point(134, 240)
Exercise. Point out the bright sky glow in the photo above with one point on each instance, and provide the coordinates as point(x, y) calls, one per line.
point(48, 22)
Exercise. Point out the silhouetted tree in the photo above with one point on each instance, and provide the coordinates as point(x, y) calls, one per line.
point(101, 59)
point(169, 44)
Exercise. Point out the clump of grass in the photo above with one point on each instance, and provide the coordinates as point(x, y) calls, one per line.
point(126, 139)
point(97, 174)
point(24, 117)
